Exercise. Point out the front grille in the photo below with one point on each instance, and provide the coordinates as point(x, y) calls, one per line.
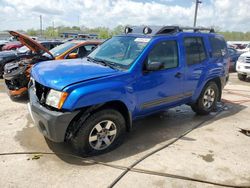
point(41, 92)
point(247, 59)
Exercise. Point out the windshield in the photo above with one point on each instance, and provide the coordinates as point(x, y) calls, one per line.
point(23, 49)
point(61, 48)
point(121, 51)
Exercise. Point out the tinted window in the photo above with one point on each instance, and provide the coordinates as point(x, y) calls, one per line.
point(165, 52)
point(219, 46)
point(82, 52)
point(231, 51)
point(46, 45)
point(195, 50)
point(90, 47)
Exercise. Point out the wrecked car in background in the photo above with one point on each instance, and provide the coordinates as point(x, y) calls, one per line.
point(12, 46)
point(17, 74)
point(23, 52)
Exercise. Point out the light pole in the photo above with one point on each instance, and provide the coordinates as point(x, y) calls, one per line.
point(41, 25)
point(196, 10)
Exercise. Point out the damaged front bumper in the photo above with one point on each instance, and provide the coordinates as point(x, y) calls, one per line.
point(52, 124)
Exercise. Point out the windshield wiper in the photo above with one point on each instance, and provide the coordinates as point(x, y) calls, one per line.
point(103, 62)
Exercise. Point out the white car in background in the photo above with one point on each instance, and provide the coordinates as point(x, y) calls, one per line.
point(246, 49)
point(243, 66)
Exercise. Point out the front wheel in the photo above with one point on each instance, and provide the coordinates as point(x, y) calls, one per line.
point(207, 100)
point(242, 77)
point(101, 132)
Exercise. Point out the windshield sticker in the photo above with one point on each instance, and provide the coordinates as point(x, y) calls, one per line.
point(142, 40)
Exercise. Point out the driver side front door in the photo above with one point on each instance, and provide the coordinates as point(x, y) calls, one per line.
point(163, 87)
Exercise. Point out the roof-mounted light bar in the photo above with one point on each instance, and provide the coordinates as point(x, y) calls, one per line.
point(128, 30)
point(147, 30)
point(158, 30)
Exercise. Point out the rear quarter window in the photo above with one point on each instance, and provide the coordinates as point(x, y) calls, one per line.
point(219, 46)
point(195, 50)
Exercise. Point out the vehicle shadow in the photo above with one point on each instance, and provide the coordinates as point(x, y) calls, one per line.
point(150, 133)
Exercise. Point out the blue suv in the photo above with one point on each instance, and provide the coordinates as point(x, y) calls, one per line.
point(91, 102)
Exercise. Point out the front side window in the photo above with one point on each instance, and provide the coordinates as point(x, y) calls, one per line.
point(90, 47)
point(120, 51)
point(166, 53)
point(195, 50)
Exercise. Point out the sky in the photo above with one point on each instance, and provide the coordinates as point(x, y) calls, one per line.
point(228, 15)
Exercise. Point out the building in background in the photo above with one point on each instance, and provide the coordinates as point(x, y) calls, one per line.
point(78, 35)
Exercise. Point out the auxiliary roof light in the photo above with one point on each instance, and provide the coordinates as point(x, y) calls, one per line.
point(147, 30)
point(128, 30)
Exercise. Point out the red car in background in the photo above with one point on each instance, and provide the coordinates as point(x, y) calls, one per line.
point(12, 46)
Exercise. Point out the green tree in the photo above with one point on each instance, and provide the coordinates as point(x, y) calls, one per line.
point(32, 32)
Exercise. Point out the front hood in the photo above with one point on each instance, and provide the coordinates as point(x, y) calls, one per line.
point(246, 54)
point(30, 43)
point(58, 74)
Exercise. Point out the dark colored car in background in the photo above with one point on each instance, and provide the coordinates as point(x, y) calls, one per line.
point(234, 55)
point(12, 46)
point(15, 55)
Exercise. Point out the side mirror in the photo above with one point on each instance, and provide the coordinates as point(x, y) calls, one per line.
point(73, 56)
point(154, 66)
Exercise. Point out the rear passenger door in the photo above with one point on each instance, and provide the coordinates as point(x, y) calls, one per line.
point(195, 58)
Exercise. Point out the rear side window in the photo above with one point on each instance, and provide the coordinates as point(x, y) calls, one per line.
point(219, 47)
point(165, 52)
point(195, 50)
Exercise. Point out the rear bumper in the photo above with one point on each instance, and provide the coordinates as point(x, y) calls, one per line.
point(52, 124)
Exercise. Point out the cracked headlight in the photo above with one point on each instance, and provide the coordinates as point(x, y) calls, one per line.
point(56, 98)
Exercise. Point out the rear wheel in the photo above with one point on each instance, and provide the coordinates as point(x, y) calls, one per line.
point(207, 100)
point(101, 132)
point(242, 77)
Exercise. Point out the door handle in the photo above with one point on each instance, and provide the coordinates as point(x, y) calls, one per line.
point(177, 75)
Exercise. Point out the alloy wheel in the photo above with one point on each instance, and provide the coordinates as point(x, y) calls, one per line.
point(102, 135)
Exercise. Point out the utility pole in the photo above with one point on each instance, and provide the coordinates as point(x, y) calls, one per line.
point(41, 25)
point(196, 11)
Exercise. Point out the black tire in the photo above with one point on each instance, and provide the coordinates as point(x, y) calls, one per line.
point(242, 77)
point(80, 142)
point(234, 67)
point(199, 107)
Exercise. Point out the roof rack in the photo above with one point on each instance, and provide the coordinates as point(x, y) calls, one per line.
point(161, 30)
